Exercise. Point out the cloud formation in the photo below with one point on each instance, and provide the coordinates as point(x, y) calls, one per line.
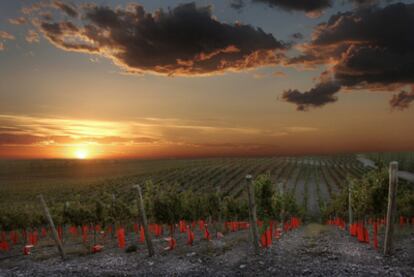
point(313, 8)
point(18, 21)
point(32, 36)
point(318, 96)
point(186, 40)
point(298, 5)
point(402, 100)
point(369, 48)
point(6, 36)
point(66, 8)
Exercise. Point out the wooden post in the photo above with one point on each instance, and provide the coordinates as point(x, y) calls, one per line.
point(252, 210)
point(113, 216)
point(218, 224)
point(282, 212)
point(350, 215)
point(147, 234)
point(52, 226)
point(392, 191)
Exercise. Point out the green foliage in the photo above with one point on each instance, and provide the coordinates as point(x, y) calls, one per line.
point(369, 195)
point(212, 205)
point(272, 204)
point(173, 194)
point(167, 207)
point(263, 189)
point(235, 209)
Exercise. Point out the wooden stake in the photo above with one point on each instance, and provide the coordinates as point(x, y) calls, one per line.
point(392, 191)
point(350, 215)
point(52, 226)
point(113, 216)
point(252, 210)
point(282, 212)
point(147, 234)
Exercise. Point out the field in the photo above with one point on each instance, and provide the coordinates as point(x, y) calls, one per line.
point(98, 195)
point(312, 180)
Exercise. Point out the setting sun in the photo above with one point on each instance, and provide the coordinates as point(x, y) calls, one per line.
point(81, 154)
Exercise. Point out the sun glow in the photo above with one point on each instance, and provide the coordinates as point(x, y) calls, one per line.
point(81, 154)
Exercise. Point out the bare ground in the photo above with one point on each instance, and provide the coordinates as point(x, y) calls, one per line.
point(313, 250)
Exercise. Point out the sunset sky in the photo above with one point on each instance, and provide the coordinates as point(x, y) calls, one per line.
point(158, 79)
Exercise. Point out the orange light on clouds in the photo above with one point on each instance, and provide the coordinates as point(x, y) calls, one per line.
point(69, 138)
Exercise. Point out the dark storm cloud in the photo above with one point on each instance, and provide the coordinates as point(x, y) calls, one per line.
point(402, 100)
point(366, 2)
point(369, 48)
point(313, 8)
point(296, 36)
point(318, 96)
point(66, 8)
point(298, 5)
point(186, 40)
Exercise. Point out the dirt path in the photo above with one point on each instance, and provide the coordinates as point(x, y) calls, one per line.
point(314, 250)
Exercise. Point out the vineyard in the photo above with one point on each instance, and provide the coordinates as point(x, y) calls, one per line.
point(189, 204)
point(312, 180)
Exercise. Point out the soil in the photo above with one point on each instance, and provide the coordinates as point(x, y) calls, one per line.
point(312, 250)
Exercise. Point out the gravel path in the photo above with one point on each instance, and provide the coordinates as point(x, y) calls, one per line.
point(313, 250)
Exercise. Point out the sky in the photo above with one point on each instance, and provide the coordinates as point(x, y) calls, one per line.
point(169, 79)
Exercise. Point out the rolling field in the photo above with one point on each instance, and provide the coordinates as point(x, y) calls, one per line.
point(91, 202)
point(313, 180)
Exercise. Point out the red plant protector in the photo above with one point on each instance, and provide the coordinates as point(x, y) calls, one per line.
point(121, 237)
point(97, 248)
point(206, 233)
point(73, 230)
point(4, 246)
point(190, 237)
point(98, 228)
point(172, 243)
point(136, 228)
point(360, 233)
point(402, 221)
point(142, 235)
point(85, 231)
point(27, 249)
point(366, 235)
point(278, 233)
point(14, 237)
point(60, 232)
point(44, 232)
point(201, 224)
point(182, 226)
